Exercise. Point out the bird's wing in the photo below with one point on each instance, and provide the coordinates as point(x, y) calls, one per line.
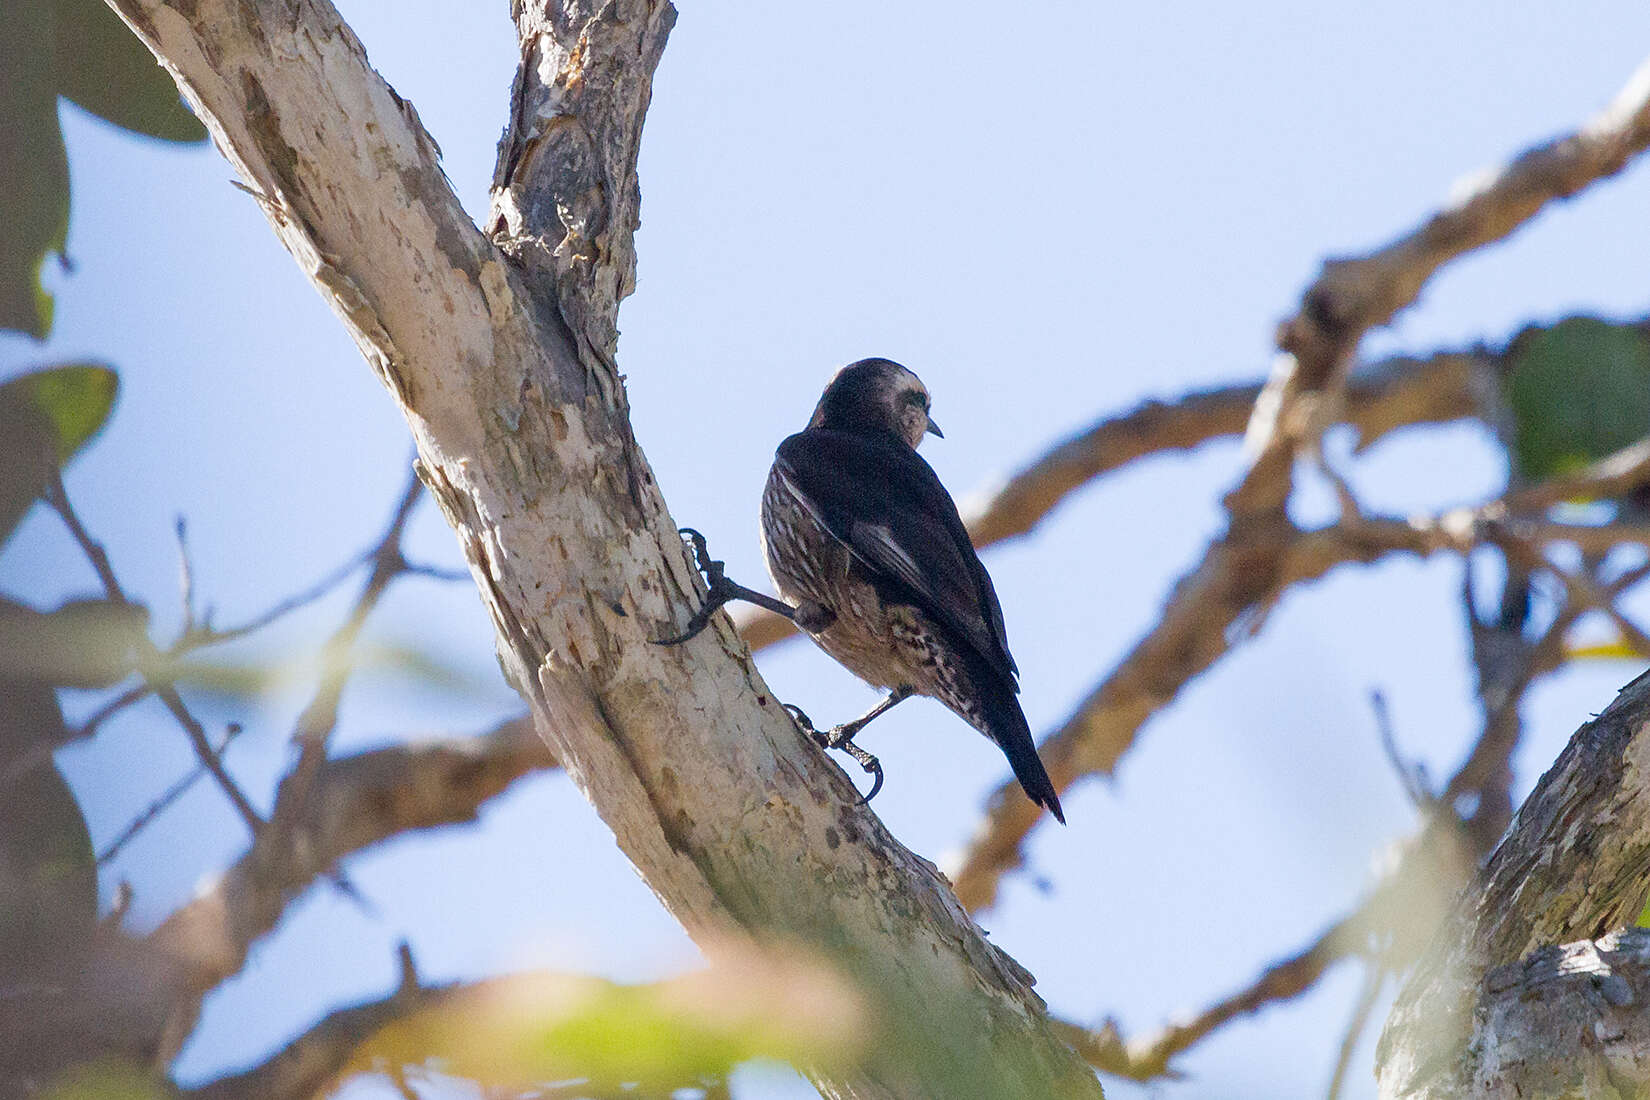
point(887, 505)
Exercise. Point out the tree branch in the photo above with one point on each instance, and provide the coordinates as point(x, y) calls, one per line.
point(1243, 571)
point(1204, 619)
point(310, 1062)
point(1353, 295)
point(499, 358)
point(354, 802)
point(1575, 865)
point(1423, 874)
point(1531, 1013)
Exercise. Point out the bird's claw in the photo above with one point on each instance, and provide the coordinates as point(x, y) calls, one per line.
point(718, 590)
point(841, 737)
point(701, 554)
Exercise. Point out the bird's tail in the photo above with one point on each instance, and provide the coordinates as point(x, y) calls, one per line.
point(1005, 723)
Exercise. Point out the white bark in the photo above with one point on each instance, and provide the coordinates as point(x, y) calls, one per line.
point(1566, 1022)
point(502, 362)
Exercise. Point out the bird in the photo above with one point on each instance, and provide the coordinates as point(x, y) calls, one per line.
point(871, 560)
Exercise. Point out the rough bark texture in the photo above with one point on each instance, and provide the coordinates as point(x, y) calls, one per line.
point(500, 357)
point(1567, 1022)
point(1574, 865)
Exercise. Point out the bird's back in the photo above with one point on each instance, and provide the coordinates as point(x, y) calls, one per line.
point(866, 531)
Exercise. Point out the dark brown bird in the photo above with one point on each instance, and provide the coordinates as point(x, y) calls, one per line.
point(872, 559)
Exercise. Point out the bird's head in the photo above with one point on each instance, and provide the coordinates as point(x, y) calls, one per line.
point(876, 397)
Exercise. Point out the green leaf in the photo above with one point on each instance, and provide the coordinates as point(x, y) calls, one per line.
point(45, 418)
point(34, 168)
point(100, 65)
point(76, 397)
point(1579, 390)
point(48, 871)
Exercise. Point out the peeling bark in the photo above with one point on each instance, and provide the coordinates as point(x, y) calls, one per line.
point(500, 356)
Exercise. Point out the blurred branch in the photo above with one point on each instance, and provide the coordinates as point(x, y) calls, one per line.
point(316, 721)
point(1352, 295)
point(1611, 476)
point(149, 659)
point(309, 1063)
point(353, 803)
point(1210, 612)
point(1243, 572)
point(160, 805)
point(1411, 898)
point(1380, 398)
point(1374, 978)
point(1142, 1060)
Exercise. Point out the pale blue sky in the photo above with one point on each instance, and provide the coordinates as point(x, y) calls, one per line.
point(1050, 212)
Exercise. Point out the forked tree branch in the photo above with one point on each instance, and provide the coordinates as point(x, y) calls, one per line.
point(500, 357)
point(1244, 570)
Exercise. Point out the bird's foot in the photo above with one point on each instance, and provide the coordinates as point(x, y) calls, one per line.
point(720, 590)
point(842, 737)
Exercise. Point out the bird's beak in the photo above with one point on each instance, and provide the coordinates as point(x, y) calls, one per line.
point(934, 429)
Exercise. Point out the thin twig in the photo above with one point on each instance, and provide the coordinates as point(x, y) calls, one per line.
point(150, 659)
point(321, 714)
point(130, 697)
point(186, 575)
point(166, 799)
point(58, 497)
point(206, 634)
point(354, 802)
point(436, 572)
point(1411, 775)
point(1374, 978)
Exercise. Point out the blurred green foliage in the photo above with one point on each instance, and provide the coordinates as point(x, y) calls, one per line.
point(644, 1040)
point(48, 873)
point(46, 416)
point(81, 51)
point(1578, 390)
